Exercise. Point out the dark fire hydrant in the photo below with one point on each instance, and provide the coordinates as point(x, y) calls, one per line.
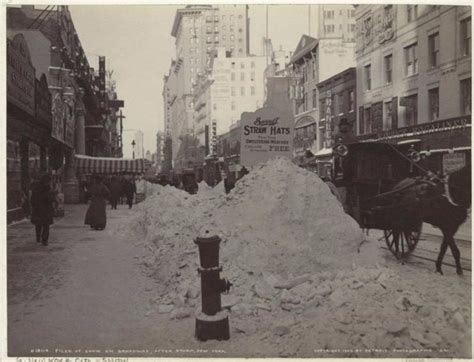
point(212, 322)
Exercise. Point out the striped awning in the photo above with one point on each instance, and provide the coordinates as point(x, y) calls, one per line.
point(107, 165)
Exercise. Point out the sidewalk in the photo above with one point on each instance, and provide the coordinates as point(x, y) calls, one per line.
point(464, 232)
point(85, 289)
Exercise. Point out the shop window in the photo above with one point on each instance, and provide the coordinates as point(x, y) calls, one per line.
point(466, 36)
point(433, 44)
point(466, 96)
point(411, 60)
point(433, 99)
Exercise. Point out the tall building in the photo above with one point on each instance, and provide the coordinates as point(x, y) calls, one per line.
point(334, 21)
point(414, 78)
point(199, 30)
point(234, 85)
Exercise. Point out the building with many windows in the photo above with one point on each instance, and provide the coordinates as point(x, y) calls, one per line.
point(414, 77)
point(199, 30)
point(334, 21)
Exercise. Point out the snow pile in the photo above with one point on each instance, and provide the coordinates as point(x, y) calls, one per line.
point(203, 186)
point(294, 257)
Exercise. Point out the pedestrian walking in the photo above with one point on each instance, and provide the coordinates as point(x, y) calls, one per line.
point(42, 208)
point(130, 190)
point(115, 192)
point(96, 215)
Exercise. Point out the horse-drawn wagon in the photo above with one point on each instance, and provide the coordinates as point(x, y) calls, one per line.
point(382, 186)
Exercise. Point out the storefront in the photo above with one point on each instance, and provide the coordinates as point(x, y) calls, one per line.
point(27, 135)
point(445, 145)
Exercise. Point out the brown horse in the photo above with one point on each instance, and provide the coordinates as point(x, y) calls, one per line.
point(443, 204)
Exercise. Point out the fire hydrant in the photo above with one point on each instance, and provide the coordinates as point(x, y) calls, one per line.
point(212, 322)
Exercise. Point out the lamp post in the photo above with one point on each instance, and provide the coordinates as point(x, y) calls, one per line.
point(133, 145)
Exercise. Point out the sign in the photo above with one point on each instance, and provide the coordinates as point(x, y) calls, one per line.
point(20, 75)
point(43, 102)
point(328, 124)
point(453, 162)
point(265, 134)
point(62, 127)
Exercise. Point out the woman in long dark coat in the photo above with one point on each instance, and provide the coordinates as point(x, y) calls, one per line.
point(42, 208)
point(96, 216)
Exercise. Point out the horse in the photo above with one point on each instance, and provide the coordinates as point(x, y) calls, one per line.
point(442, 203)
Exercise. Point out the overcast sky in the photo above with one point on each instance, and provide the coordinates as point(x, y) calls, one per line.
point(138, 46)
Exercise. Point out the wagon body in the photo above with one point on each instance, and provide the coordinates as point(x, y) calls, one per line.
point(366, 173)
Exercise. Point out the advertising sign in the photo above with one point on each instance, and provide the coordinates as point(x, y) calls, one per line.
point(265, 134)
point(43, 102)
point(20, 75)
point(453, 162)
point(63, 119)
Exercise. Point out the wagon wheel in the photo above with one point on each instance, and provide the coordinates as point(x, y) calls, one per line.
point(402, 242)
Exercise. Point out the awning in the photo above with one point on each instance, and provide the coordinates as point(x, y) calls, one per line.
point(108, 165)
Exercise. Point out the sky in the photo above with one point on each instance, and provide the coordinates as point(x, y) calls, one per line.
point(137, 43)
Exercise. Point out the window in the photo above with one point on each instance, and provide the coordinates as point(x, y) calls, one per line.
point(352, 13)
point(388, 60)
point(216, 29)
point(224, 27)
point(433, 44)
point(242, 76)
point(216, 17)
point(433, 99)
point(232, 65)
point(340, 103)
point(208, 18)
point(208, 29)
point(466, 96)
point(231, 18)
point(466, 36)
point(252, 91)
point(411, 60)
point(367, 77)
point(305, 102)
point(232, 105)
point(351, 101)
point(232, 91)
point(216, 39)
point(242, 91)
point(209, 39)
point(388, 120)
point(367, 120)
point(353, 27)
point(231, 38)
point(231, 27)
point(411, 110)
point(242, 65)
point(252, 76)
point(232, 76)
point(315, 100)
point(223, 37)
point(223, 17)
point(192, 69)
point(214, 106)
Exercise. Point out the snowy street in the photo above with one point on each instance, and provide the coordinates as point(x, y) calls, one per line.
point(115, 292)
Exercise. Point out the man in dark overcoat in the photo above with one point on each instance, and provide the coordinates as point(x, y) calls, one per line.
point(115, 192)
point(42, 208)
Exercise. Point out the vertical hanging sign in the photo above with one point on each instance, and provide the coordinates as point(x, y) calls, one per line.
point(328, 120)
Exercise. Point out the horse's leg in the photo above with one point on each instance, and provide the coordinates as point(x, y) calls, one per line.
point(442, 251)
point(455, 252)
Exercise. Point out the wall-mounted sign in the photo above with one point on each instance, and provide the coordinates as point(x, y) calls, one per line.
point(20, 75)
point(453, 162)
point(265, 134)
point(62, 127)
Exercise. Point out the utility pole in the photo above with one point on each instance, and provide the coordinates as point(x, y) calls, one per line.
point(121, 117)
point(133, 146)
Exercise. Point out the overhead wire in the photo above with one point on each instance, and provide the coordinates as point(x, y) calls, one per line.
point(46, 16)
point(41, 14)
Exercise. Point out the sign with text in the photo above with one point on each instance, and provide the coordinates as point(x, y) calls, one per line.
point(453, 162)
point(265, 134)
point(20, 75)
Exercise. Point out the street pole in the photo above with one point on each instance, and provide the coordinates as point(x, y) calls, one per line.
point(133, 146)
